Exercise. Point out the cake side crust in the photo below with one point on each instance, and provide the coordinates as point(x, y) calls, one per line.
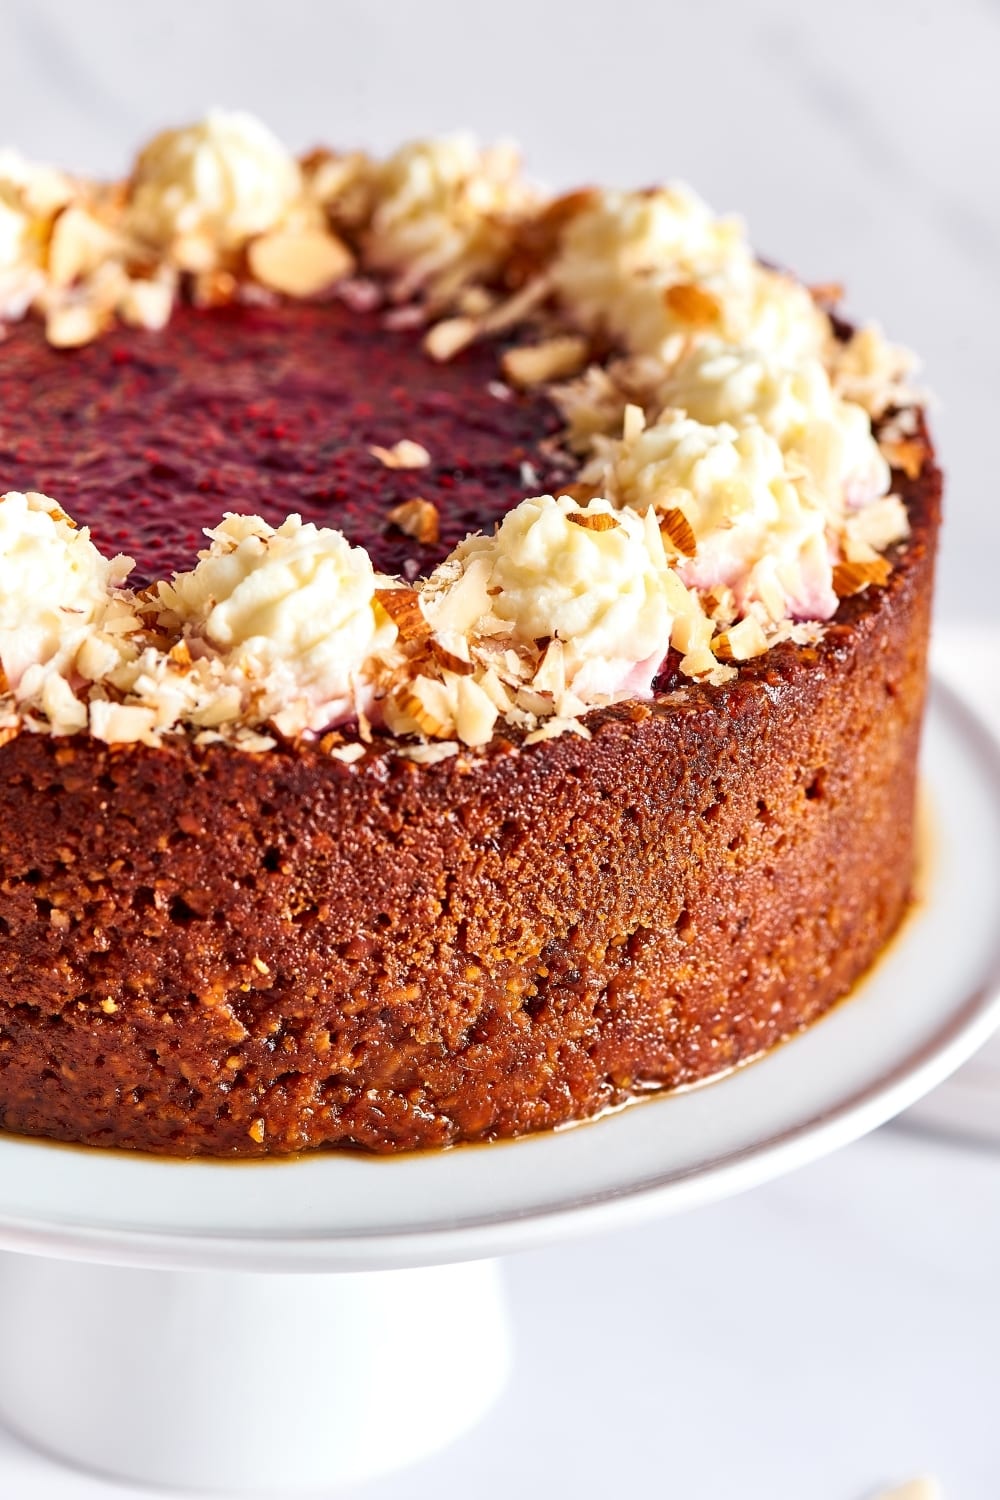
point(213, 952)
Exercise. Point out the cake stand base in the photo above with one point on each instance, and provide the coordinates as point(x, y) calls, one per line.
point(251, 1382)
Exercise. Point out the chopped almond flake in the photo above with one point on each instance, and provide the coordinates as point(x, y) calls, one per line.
point(535, 364)
point(418, 518)
point(675, 524)
point(449, 337)
point(693, 304)
point(741, 641)
point(214, 289)
point(402, 455)
point(403, 608)
point(411, 704)
point(852, 577)
point(256, 1131)
point(633, 422)
point(79, 244)
point(348, 753)
point(827, 292)
point(109, 1007)
point(598, 520)
point(907, 455)
point(429, 755)
point(260, 965)
point(299, 263)
point(551, 729)
point(74, 324)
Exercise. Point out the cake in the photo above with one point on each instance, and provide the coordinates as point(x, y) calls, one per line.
point(485, 683)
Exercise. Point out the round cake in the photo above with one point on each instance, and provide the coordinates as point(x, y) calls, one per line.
point(485, 683)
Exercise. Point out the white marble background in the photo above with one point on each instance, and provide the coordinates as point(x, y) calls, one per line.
point(861, 138)
point(838, 1329)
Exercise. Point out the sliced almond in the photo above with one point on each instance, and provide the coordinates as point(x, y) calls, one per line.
point(425, 720)
point(299, 262)
point(675, 525)
point(851, 577)
point(403, 608)
point(418, 518)
point(693, 304)
point(906, 454)
point(555, 359)
point(402, 455)
point(449, 661)
point(741, 641)
point(450, 337)
point(597, 520)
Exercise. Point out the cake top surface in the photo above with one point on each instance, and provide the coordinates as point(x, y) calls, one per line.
point(465, 455)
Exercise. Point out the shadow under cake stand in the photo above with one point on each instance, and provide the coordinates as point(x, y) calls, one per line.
point(294, 1325)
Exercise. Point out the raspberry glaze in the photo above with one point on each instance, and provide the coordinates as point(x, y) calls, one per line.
point(150, 437)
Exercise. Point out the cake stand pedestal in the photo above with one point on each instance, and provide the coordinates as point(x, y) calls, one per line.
point(177, 1323)
point(246, 1381)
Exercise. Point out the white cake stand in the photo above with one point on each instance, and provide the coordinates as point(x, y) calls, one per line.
point(150, 1323)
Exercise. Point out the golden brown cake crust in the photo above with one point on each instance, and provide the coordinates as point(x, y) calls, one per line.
point(204, 951)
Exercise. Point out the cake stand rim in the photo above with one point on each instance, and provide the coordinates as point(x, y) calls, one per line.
point(963, 1029)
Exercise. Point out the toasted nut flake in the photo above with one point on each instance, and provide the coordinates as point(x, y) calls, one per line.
point(256, 1131)
point(449, 660)
point(260, 965)
point(741, 641)
point(299, 263)
point(403, 608)
point(347, 753)
point(429, 755)
point(79, 244)
point(402, 455)
point(74, 324)
point(851, 577)
point(180, 654)
point(693, 304)
point(214, 289)
point(535, 364)
point(907, 454)
point(598, 520)
point(146, 304)
point(827, 292)
point(109, 1007)
point(633, 422)
point(418, 518)
point(675, 525)
point(425, 720)
point(450, 337)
